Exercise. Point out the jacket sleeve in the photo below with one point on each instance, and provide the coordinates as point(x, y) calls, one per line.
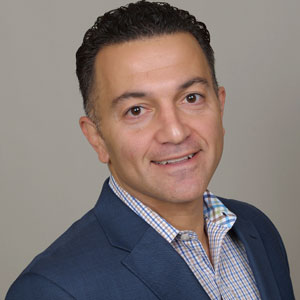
point(32, 286)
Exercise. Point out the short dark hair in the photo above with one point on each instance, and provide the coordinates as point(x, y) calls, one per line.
point(131, 22)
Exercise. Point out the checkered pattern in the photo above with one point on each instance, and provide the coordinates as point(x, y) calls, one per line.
point(229, 276)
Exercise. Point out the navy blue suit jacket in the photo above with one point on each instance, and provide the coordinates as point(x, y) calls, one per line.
point(111, 253)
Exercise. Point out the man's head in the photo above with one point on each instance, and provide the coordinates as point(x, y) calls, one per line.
point(136, 21)
point(160, 113)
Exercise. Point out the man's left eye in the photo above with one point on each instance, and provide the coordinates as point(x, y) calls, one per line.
point(193, 98)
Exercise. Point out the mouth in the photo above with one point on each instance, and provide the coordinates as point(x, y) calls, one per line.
point(175, 160)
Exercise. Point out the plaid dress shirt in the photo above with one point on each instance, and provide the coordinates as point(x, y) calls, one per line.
point(230, 277)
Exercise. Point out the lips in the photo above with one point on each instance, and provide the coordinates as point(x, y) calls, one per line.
point(175, 160)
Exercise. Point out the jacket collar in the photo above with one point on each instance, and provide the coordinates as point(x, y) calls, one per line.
point(151, 258)
point(259, 262)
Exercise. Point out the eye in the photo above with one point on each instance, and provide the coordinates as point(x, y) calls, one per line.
point(193, 98)
point(135, 111)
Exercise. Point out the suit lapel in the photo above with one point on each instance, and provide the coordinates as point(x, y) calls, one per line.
point(258, 259)
point(161, 268)
point(151, 258)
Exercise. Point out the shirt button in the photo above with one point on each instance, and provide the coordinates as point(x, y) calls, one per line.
point(185, 237)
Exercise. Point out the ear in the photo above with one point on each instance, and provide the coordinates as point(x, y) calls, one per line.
point(221, 97)
point(91, 133)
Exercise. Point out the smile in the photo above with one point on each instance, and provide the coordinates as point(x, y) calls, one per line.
point(174, 161)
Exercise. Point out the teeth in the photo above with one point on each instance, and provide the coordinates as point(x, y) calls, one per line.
point(172, 161)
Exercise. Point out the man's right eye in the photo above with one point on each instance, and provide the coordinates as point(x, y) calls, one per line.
point(135, 111)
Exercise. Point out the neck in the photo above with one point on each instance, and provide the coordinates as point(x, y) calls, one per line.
point(187, 216)
point(183, 216)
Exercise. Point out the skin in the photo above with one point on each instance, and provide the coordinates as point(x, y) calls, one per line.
point(156, 102)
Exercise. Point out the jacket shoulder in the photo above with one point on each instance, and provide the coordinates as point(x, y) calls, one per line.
point(67, 264)
point(249, 213)
point(36, 287)
point(263, 225)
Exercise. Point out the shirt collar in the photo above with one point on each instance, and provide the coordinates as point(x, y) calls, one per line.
point(213, 210)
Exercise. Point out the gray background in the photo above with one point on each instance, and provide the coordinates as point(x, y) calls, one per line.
point(50, 176)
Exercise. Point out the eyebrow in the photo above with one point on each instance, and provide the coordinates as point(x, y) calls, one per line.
point(193, 81)
point(140, 94)
point(127, 95)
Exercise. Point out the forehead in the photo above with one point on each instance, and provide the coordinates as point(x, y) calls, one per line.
point(155, 64)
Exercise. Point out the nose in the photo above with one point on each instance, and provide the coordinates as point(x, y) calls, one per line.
point(171, 127)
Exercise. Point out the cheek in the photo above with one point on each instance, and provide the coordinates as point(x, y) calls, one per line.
point(210, 128)
point(130, 154)
point(131, 148)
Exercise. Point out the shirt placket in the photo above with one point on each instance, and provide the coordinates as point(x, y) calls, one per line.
point(198, 261)
point(216, 234)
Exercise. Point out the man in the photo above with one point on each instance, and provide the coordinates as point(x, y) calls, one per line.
point(154, 116)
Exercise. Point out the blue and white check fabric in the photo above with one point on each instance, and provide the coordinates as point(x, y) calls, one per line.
point(229, 275)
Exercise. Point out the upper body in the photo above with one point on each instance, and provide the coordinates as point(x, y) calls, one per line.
point(154, 115)
point(111, 253)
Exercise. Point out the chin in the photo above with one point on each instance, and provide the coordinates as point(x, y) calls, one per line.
point(186, 195)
